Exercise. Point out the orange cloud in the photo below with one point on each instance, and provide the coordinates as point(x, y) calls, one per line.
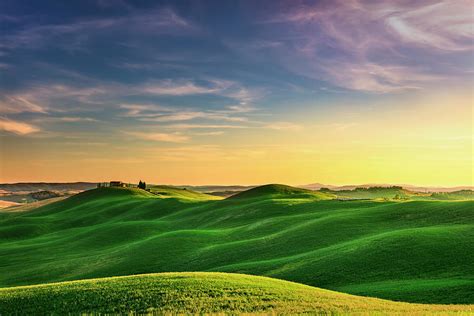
point(16, 127)
point(161, 137)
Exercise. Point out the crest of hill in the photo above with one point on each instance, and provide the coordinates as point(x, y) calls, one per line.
point(154, 192)
point(281, 191)
point(112, 192)
point(165, 191)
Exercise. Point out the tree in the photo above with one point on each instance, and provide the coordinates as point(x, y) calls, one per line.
point(142, 185)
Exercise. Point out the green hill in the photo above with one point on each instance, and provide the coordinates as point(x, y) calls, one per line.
point(393, 192)
point(173, 192)
point(397, 193)
point(416, 251)
point(280, 191)
point(200, 292)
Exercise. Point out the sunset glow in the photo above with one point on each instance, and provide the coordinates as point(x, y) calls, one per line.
point(279, 91)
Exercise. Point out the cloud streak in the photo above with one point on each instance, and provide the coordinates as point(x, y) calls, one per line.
point(445, 25)
point(161, 137)
point(362, 45)
point(180, 87)
point(20, 103)
point(283, 126)
point(41, 98)
point(17, 127)
point(154, 22)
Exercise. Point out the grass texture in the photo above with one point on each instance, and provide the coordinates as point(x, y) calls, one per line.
point(414, 251)
point(198, 293)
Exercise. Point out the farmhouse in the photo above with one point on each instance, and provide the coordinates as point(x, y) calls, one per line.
point(117, 184)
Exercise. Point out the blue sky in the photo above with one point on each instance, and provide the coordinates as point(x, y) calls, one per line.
point(168, 74)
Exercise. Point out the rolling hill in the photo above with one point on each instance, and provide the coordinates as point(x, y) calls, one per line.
point(47, 186)
point(280, 191)
point(198, 293)
point(413, 188)
point(414, 251)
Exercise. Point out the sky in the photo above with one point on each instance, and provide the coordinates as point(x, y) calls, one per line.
point(237, 92)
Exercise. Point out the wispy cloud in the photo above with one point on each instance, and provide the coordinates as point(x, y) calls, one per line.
point(445, 25)
point(51, 97)
point(66, 119)
point(19, 103)
point(368, 76)
point(44, 98)
point(160, 137)
point(221, 87)
point(285, 126)
point(169, 87)
point(215, 133)
point(144, 110)
point(238, 112)
point(77, 119)
point(154, 22)
point(172, 117)
point(189, 115)
point(17, 127)
point(361, 45)
point(158, 113)
point(203, 126)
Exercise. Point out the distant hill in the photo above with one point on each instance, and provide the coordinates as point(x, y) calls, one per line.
point(279, 190)
point(317, 186)
point(392, 192)
point(437, 189)
point(5, 204)
point(44, 186)
point(396, 193)
point(454, 195)
point(192, 293)
point(23, 207)
point(215, 188)
point(22, 193)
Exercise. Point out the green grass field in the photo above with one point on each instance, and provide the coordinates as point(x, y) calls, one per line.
point(199, 292)
point(414, 251)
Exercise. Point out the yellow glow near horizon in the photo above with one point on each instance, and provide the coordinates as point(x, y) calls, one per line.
point(425, 142)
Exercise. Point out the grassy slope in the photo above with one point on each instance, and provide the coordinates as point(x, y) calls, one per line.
point(30, 206)
point(173, 192)
point(281, 191)
point(419, 251)
point(199, 292)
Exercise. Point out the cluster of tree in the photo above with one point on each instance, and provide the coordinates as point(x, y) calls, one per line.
point(325, 190)
point(400, 197)
point(379, 188)
point(142, 185)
